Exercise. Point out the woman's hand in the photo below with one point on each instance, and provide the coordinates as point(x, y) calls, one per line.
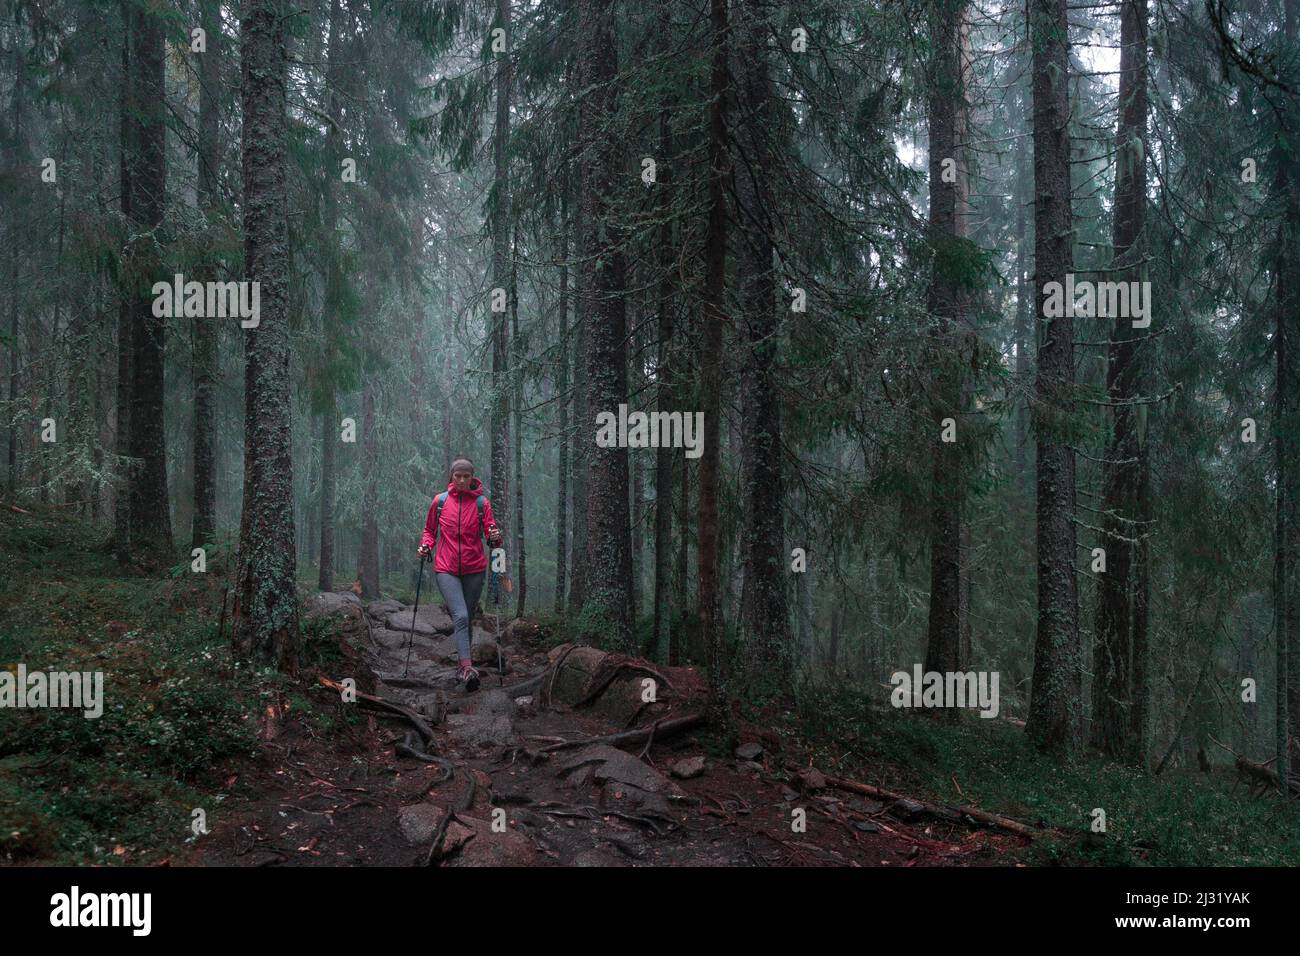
point(424, 552)
point(495, 537)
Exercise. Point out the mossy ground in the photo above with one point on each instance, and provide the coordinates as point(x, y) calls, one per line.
point(178, 712)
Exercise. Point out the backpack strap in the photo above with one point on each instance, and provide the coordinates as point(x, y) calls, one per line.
point(480, 501)
point(437, 517)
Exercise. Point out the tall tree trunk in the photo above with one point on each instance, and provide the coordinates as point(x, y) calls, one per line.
point(449, 354)
point(608, 571)
point(1054, 708)
point(1112, 683)
point(499, 479)
point(636, 483)
point(126, 301)
point(677, 644)
point(583, 416)
point(150, 511)
point(1286, 397)
point(1024, 326)
point(709, 597)
point(61, 347)
point(368, 563)
point(334, 279)
point(562, 389)
point(947, 489)
point(16, 156)
point(329, 437)
point(765, 618)
point(205, 332)
point(664, 392)
point(265, 614)
point(521, 568)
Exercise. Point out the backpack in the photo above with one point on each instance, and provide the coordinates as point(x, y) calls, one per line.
point(437, 516)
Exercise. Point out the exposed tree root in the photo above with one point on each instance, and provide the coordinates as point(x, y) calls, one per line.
point(408, 748)
point(435, 854)
point(662, 728)
point(426, 732)
point(611, 673)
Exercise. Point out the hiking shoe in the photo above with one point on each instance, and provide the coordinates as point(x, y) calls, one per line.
point(468, 675)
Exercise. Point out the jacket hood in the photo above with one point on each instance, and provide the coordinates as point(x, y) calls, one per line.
point(475, 487)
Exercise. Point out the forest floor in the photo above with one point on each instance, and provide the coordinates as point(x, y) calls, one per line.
point(353, 799)
point(201, 760)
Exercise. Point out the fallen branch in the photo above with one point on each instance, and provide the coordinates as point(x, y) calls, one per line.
point(660, 729)
point(983, 816)
point(1256, 775)
point(416, 720)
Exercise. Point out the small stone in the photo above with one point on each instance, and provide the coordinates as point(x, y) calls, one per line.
point(457, 836)
point(811, 779)
point(749, 751)
point(906, 809)
point(868, 807)
point(788, 794)
point(419, 821)
point(866, 826)
point(749, 766)
point(688, 768)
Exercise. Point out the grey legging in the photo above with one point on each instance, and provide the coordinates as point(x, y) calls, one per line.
point(461, 592)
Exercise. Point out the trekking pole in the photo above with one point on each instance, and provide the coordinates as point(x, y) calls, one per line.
point(410, 639)
point(496, 602)
point(494, 588)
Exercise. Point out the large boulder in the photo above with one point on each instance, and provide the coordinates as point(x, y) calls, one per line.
point(331, 602)
point(397, 641)
point(579, 670)
point(481, 729)
point(480, 846)
point(471, 731)
point(419, 821)
point(627, 784)
point(381, 609)
point(601, 763)
point(421, 677)
point(431, 619)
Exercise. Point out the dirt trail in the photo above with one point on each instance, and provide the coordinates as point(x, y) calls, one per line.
point(521, 795)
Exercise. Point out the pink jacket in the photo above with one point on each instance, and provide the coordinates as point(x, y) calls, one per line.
point(460, 539)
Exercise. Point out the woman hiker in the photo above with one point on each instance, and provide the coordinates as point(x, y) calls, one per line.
point(457, 521)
